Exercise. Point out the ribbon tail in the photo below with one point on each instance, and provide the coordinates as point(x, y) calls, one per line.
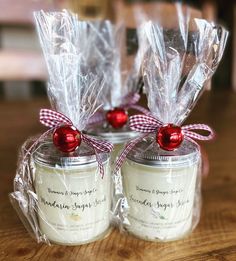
point(129, 146)
point(102, 146)
point(89, 142)
point(100, 165)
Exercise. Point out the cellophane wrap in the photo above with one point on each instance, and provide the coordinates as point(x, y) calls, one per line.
point(108, 57)
point(74, 88)
point(61, 197)
point(159, 199)
point(178, 62)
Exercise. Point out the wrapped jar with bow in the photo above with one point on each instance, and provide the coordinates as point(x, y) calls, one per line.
point(62, 188)
point(122, 84)
point(161, 169)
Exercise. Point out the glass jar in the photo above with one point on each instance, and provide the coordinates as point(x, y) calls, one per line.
point(162, 190)
point(118, 137)
point(73, 200)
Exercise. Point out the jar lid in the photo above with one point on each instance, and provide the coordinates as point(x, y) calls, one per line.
point(115, 136)
point(47, 154)
point(147, 152)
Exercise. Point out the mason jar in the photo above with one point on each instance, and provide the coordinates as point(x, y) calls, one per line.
point(162, 190)
point(74, 201)
point(118, 137)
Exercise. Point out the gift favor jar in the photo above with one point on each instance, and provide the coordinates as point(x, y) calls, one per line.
point(118, 137)
point(73, 199)
point(162, 190)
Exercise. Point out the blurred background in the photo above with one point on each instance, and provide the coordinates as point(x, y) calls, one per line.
point(22, 69)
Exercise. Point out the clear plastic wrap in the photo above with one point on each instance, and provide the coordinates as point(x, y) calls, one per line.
point(61, 198)
point(176, 65)
point(62, 187)
point(122, 77)
point(110, 58)
point(158, 190)
point(121, 83)
point(163, 191)
point(74, 89)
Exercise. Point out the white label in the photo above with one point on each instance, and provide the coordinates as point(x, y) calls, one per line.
point(160, 200)
point(73, 205)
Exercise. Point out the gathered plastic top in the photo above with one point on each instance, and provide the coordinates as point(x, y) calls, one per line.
point(107, 56)
point(104, 59)
point(177, 63)
point(74, 89)
point(84, 58)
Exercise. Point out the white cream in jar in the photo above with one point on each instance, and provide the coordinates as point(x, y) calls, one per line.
point(162, 191)
point(118, 137)
point(73, 200)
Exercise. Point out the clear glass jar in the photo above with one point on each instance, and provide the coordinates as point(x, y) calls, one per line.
point(162, 190)
point(118, 137)
point(73, 200)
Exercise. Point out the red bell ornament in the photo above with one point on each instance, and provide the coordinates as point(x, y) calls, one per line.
point(66, 138)
point(117, 118)
point(169, 137)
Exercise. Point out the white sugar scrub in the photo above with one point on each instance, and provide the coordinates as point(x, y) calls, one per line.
point(161, 168)
point(73, 200)
point(162, 190)
point(62, 188)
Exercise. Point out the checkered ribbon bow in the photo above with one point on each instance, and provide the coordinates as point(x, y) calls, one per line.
point(129, 102)
point(53, 119)
point(147, 124)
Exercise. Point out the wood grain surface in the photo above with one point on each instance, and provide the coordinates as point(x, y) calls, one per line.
point(213, 239)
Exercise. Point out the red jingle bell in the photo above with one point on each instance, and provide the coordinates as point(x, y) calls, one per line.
point(66, 138)
point(169, 137)
point(117, 118)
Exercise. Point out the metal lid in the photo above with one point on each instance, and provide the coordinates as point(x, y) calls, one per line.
point(147, 152)
point(47, 154)
point(115, 136)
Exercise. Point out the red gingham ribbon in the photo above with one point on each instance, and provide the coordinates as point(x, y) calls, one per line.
point(129, 102)
point(147, 124)
point(53, 119)
point(129, 99)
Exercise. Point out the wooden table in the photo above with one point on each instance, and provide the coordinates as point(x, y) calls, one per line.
point(214, 238)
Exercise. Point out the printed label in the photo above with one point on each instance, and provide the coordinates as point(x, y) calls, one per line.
point(160, 200)
point(72, 207)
